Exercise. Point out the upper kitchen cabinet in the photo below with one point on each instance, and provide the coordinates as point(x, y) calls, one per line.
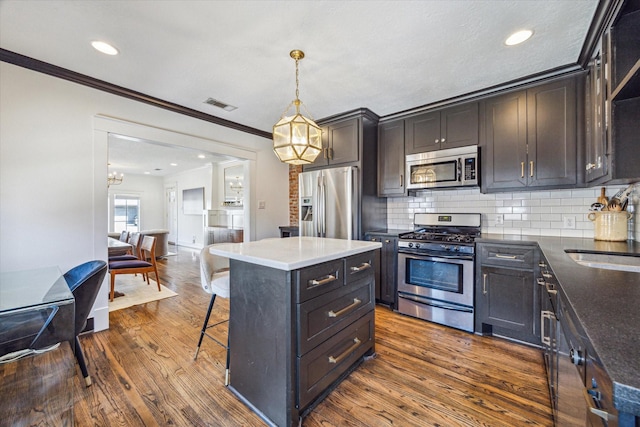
point(596, 153)
point(529, 138)
point(613, 107)
point(391, 158)
point(346, 138)
point(450, 127)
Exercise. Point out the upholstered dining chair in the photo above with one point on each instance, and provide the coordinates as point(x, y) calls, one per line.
point(84, 281)
point(145, 265)
point(214, 278)
point(134, 241)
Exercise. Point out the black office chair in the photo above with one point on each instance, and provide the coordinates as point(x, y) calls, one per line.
point(84, 282)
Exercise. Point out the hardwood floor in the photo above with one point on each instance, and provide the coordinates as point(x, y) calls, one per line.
point(424, 374)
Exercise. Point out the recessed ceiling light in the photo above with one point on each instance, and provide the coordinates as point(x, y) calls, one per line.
point(147, 173)
point(173, 164)
point(201, 156)
point(518, 37)
point(104, 47)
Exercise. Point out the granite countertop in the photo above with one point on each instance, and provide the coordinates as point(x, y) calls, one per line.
point(605, 302)
point(293, 252)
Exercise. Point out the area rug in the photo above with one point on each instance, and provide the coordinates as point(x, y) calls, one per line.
point(137, 292)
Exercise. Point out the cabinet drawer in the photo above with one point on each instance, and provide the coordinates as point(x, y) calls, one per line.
point(321, 317)
point(318, 279)
point(359, 266)
point(319, 368)
point(507, 256)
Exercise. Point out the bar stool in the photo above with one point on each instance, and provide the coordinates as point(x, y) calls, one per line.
point(214, 278)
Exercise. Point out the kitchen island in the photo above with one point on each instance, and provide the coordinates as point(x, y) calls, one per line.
point(605, 304)
point(301, 319)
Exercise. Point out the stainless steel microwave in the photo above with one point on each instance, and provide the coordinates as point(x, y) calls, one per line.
point(453, 167)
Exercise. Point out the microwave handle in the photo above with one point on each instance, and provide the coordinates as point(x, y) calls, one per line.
point(459, 170)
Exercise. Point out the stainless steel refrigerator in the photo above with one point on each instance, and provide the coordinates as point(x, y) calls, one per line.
point(330, 203)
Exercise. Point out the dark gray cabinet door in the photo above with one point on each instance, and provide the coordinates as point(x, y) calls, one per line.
point(459, 126)
point(340, 142)
point(447, 128)
point(391, 158)
point(386, 286)
point(551, 134)
point(343, 141)
point(506, 302)
point(530, 138)
point(505, 142)
point(422, 133)
point(596, 162)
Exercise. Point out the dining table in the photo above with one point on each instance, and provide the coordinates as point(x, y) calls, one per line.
point(115, 247)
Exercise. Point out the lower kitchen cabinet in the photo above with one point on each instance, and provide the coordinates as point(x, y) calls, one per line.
point(507, 296)
point(223, 235)
point(386, 286)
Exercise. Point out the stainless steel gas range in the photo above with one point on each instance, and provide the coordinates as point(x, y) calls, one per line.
point(436, 268)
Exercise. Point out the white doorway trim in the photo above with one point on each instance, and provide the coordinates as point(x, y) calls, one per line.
point(102, 126)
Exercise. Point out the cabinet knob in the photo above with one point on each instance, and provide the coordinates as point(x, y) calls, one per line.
point(443, 140)
point(387, 241)
point(590, 166)
point(437, 141)
point(576, 358)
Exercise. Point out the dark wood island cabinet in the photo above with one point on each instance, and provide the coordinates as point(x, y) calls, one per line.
point(301, 319)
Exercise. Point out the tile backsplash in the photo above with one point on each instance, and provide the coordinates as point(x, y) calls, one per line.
point(537, 213)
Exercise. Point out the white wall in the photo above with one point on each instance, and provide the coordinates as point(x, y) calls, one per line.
point(190, 227)
point(150, 190)
point(537, 213)
point(53, 169)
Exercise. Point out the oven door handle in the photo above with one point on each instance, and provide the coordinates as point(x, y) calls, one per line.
point(436, 257)
point(424, 301)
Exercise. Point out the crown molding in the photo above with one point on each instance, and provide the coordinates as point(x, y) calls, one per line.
point(65, 74)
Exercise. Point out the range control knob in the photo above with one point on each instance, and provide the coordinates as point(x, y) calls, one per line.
point(417, 245)
point(410, 244)
point(576, 358)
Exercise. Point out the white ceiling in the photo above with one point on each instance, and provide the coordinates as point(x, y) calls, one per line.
point(388, 56)
point(134, 156)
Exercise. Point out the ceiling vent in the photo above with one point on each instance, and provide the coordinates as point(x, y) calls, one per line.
point(220, 104)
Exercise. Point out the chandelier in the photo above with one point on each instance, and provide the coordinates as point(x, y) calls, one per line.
point(114, 179)
point(236, 185)
point(297, 140)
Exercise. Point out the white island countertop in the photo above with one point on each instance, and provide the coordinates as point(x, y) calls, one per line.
point(292, 253)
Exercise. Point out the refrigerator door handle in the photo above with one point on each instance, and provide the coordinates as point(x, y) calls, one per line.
point(318, 207)
point(323, 220)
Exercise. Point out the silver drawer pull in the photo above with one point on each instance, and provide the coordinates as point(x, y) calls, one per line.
point(599, 412)
point(506, 256)
point(356, 343)
point(355, 303)
point(550, 289)
point(361, 267)
point(330, 278)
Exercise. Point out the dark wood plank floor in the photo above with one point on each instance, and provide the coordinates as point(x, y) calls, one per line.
point(424, 374)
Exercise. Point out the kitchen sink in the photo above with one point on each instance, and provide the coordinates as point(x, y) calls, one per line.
point(607, 261)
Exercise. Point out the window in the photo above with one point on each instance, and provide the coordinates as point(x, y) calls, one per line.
point(125, 213)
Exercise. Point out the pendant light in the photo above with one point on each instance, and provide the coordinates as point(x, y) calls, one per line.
point(297, 140)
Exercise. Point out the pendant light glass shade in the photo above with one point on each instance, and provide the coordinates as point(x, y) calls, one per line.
point(297, 140)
